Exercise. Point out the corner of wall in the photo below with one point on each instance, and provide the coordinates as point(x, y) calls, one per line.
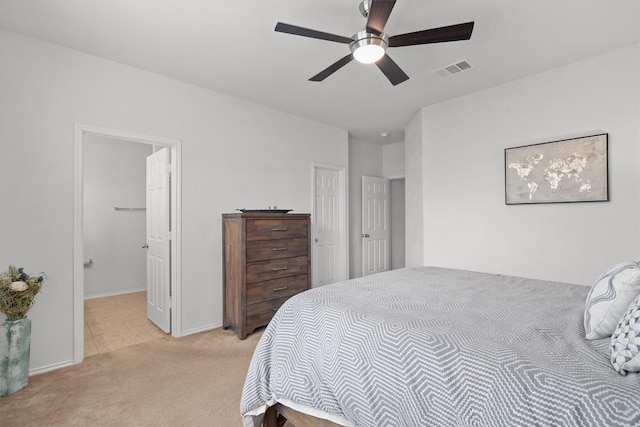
point(414, 234)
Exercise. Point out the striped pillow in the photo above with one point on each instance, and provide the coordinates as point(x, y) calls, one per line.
point(609, 297)
point(625, 341)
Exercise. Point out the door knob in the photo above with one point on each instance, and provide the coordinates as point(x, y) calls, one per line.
point(315, 240)
point(365, 235)
point(145, 246)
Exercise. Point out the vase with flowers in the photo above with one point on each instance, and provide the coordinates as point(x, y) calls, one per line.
point(17, 294)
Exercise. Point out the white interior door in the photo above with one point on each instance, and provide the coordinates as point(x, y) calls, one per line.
point(326, 230)
point(375, 225)
point(158, 240)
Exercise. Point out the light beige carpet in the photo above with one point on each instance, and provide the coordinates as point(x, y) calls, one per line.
point(192, 381)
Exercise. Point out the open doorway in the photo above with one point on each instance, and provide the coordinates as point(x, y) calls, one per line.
point(115, 265)
point(111, 237)
point(397, 222)
point(383, 224)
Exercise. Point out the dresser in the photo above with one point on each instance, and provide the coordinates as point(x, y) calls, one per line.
point(266, 260)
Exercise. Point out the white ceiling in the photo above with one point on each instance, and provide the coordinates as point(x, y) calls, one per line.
point(230, 46)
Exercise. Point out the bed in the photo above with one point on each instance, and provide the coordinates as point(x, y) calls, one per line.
point(431, 346)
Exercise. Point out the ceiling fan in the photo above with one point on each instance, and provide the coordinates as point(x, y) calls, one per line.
point(370, 45)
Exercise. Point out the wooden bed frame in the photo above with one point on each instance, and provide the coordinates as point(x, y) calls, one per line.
point(278, 415)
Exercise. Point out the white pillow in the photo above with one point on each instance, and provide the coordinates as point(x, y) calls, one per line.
point(625, 341)
point(609, 298)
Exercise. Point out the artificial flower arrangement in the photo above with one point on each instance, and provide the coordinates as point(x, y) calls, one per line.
point(17, 292)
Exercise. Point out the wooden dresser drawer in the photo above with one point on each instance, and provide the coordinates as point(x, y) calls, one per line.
point(278, 288)
point(268, 270)
point(261, 313)
point(260, 250)
point(265, 229)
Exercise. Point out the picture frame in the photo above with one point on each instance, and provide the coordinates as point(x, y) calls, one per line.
point(564, 171)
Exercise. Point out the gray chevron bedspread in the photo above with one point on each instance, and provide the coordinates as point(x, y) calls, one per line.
point(439, 347)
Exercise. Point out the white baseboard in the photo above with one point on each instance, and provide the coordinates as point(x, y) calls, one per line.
point(66, 364)
point(111, 294)
point(201, 329)
point(53, 367)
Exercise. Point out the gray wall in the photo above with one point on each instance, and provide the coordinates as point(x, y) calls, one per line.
point(393, 160)
point(114, 175)
point(467, 224)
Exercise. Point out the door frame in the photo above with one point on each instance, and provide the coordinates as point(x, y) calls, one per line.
point(80, 131)
point(343, 215)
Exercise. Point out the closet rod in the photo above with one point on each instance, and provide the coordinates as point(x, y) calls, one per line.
point(116, 208)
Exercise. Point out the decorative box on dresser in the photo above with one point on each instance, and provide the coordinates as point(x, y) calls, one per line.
point(266, 260)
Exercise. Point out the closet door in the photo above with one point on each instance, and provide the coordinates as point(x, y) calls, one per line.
point(158, 240)
point(375, 225)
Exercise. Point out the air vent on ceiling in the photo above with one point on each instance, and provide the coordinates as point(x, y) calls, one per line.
point(452, 69)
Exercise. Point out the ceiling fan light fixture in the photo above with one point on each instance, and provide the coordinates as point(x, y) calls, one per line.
point(369, 48)
point(368, 54)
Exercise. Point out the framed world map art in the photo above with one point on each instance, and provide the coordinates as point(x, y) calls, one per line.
point(570, 170)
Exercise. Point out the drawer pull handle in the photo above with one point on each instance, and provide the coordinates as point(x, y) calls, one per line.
point(279, 268)
point(280, 289)
point(281, 249)
point(280, 229)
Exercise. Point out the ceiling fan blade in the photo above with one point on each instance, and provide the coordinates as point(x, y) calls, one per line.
point(378, 15)
point(306, 32)
point(390, 69)
point(434, 35)
point(331, 69)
